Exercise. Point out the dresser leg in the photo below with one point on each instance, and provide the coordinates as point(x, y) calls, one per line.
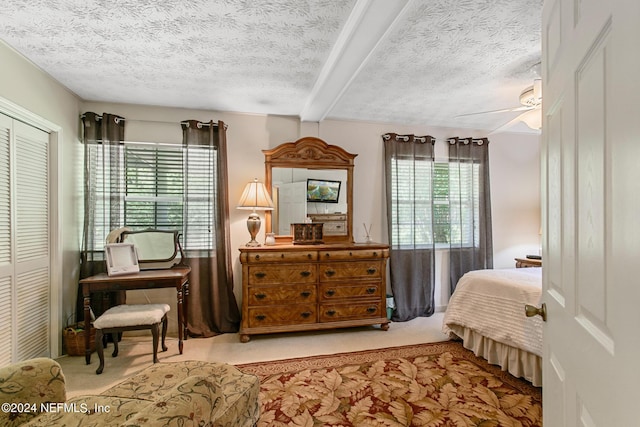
point(244, 338)
point(384, 326)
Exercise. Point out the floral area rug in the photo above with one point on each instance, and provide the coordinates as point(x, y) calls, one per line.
point(440, 384)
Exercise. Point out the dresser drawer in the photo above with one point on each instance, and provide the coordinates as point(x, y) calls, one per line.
point(328, 217)
point(277, 273)
point(347, 255)
point(339, 271)
point(350, 311)
point(282, 315)
point(281, 294)
point(259, 257)
point(336, 228)
point(336, 291)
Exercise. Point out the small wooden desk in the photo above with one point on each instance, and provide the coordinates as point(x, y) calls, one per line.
point(177, 277)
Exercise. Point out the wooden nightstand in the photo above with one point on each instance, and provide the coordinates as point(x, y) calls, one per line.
point(526, 262)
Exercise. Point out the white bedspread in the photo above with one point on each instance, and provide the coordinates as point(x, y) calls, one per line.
point(491, 302)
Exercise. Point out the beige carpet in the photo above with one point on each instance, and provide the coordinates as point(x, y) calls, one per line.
point(135, 351)
point(439, 384)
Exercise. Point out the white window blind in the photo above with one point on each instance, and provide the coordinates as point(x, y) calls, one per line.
point(161, 186)
point(434, 203)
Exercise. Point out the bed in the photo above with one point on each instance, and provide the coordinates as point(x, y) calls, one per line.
point(486, 312)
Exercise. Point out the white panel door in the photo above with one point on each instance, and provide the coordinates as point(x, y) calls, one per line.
point(292, 205)
point(25, 282)
point(591, 206)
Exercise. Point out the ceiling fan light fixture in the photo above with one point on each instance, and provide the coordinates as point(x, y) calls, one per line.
point(532, 96)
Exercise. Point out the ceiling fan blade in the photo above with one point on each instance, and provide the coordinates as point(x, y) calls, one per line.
point(507, 125)
point(505, 110)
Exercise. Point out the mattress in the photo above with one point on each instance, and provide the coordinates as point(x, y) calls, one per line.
point(487, 312)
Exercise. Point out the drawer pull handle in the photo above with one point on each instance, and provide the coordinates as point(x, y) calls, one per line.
point(327, 254)
point(350, 253)
point(330, 292)
point(371, 270)
point(257, 257)
point(260, 274)
point(309, 256)
point(371, 290)
point(305, 273)
point(261, 317)
point(330, 272)
point(305, 314)
point(331, 312)
point(261, 296)
point(372, 309)
point(305, 294)
point(281, 255)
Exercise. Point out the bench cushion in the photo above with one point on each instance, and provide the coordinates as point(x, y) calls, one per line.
point(131, 315)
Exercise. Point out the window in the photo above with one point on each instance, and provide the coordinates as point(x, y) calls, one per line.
point(160, 186)
point(435, 203)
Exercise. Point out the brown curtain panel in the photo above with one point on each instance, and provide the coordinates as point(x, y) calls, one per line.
point(408, 175)
point(470, 207)
point(102, 138)
point(212, 304)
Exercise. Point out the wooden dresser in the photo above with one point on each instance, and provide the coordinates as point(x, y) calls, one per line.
point(311, 287)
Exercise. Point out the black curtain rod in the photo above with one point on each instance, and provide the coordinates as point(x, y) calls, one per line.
point(215, 124)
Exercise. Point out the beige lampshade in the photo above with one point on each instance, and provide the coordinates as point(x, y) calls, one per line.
point(255, 197)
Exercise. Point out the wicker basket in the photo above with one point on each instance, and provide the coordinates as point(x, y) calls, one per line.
point(74, 339)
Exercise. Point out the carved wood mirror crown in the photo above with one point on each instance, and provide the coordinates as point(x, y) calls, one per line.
point(318, 159)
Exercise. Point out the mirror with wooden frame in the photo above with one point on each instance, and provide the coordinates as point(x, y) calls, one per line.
point(309, 178)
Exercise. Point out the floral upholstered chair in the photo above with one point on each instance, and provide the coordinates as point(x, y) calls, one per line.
point(26, 387)
point(191, 393)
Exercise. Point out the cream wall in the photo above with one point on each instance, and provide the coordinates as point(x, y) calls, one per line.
point(514, 165)
point(26, 86)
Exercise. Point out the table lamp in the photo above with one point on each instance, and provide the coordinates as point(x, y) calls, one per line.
point(255, 196)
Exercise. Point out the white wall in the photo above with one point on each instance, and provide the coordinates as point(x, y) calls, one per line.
point(515, 196)
point(514, 163)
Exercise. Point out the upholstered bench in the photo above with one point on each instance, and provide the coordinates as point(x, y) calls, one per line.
point(131, 317)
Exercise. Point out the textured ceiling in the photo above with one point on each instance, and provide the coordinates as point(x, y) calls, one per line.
point(395, 61)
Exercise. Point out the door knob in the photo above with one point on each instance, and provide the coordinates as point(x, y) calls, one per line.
point(531, 311)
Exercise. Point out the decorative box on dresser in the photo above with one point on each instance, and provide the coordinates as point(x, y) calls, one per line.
point(289, 287)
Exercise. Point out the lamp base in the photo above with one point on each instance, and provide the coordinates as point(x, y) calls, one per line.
point(253, 225)
point(253, 244)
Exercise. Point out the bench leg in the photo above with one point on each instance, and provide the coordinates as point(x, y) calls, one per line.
point(114, 337)
point(100, 351)
point(164, 332)
point(155, 332)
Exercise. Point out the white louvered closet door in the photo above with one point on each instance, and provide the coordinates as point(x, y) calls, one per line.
point(25, 317)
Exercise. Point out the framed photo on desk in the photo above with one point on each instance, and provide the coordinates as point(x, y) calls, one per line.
point(122, 258)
